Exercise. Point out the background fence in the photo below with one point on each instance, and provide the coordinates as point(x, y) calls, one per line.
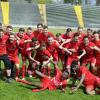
point(28, 14)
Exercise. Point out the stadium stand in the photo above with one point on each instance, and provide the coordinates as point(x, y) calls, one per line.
point(64, 15)
point(1, 19)
point(24, 14)
point(91, 16)
point(61, 15)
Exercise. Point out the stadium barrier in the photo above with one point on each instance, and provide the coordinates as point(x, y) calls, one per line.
point(59, 15)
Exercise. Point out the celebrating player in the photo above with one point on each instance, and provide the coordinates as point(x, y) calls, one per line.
point(89, 80)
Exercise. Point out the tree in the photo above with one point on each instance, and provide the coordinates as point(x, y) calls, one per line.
point(98, 2)
point(42, 1)
point(72, 1)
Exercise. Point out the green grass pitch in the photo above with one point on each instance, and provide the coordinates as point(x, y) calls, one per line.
point(19, 91)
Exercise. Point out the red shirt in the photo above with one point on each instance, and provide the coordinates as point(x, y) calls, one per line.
point(36, 33)
point(52, 48)
point(12, 48)
point(90, 36)
point(42, 55)
point(73, 45)
point(60, 51)
point(54, 82)
point(64, 36)
point(23, 47)
point(28, 37)
point(29, 45)
point(89, 51)
point(43, 38)
point(81, 36)
point(3, 41)
point(89, 77)
point(6, 33)
point(97, 53)
point(18, 35)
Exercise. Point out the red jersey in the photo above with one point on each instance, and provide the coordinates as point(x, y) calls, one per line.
point(42, 55)
point(28, 37)
point(23, 47)
point(81, 36)
point(29, 45)
point(6, 33)
point(65, 36)
point(89, 51)
point(36, 33)
point(73, 45)
point(12, 48)
point(43, 38)
point(3, 41)
point(52, 48)
point(60, 52)
point(20, 36)
point(90, 37)
point(97, 53)
point(56, 80)
point(90, 79)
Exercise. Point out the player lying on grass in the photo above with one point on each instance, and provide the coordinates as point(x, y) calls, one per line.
point(58, 81)
point(90, 81)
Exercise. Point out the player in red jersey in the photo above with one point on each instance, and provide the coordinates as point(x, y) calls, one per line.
point(53, 46)
point(12, 51)
point(80, 33)
point(96, 41)
point(42, 57)
point(29, 34)
point(90, 81)
point(23, 45)
point(61, 53)
point(89, 34)
point(44, 35)
point(68, 34)
point(31, 50)
point(72, 48)
point(4, 55)
point(38, 30)
point(9, 30)
point(20, 34)
point(89, 48)
point(51, 83)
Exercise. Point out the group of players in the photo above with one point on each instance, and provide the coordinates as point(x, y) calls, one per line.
point(76, 50)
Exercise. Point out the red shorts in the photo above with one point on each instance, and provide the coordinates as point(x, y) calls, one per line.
point(55, 57)
point(91, 60)
point(47, 83)
point(24, 57)
point(70, 60)
point(15, 59)
point(98, 62)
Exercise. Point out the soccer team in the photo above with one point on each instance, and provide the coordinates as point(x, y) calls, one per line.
point(79, 53)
